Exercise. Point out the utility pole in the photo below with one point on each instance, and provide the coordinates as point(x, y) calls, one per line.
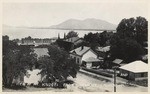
point(114, 79)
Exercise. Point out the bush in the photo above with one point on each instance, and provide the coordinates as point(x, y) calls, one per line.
point(142, 82)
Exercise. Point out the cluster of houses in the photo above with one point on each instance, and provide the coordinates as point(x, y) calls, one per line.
point(86, 57)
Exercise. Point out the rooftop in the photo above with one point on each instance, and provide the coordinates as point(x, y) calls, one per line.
point(73, 39)
point(80, 51)
point(117, 61)
point(136, 67)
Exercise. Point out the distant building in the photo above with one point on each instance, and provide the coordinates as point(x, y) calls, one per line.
point(137, 70)
point(74, 41)
point(36, 41)
point(82, 53)
point(70, 43)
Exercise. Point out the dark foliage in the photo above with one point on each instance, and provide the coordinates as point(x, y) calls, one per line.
point(72, 34)
point(58, 66)
point(98, 39)
point(67, 46)
point(128, 42)
point(16, 59)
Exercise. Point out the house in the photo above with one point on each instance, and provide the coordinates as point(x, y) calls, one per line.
point(82, 53)
point(74, 41)
point(70, 43)
point(137, 70)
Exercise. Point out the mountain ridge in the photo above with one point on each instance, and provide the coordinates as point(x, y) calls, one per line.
point(89, 23)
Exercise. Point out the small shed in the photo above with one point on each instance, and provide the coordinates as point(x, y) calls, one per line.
point(137, 70)
point(117, 62)
point(92, 62)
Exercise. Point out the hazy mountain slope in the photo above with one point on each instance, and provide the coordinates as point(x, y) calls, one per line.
point(85, 24)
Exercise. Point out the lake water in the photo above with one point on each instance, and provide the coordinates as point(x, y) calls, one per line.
point(13, 32)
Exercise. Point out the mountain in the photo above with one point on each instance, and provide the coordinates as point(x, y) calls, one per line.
point(87, 24)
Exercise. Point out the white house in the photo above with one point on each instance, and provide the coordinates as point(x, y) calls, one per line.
point(136, 70)
point(82, 54)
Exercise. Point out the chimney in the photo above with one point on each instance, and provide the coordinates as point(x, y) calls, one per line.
point(82, 47)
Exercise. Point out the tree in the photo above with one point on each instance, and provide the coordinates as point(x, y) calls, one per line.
point(47, 65)
point(57, 66)
point(72, 34)
point(136, 29)
point(97, 39)
point(64, 66)
point(16, 60)
point(127, 43)
point(92, 40)
point(5, 38)
point(127, 49)
point(27, 56)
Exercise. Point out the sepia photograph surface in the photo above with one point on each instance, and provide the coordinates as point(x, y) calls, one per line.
point(75, 46)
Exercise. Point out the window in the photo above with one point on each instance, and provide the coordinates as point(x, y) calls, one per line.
point(75, 59)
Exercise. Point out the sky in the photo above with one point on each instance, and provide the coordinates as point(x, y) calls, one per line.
point(47, 14)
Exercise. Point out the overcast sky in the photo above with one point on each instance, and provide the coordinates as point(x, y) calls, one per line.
point(47, 14)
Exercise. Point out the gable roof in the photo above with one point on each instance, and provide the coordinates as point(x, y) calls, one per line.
point(136, 67)
point(117, 61)
point(73, 39)
point(79, 51)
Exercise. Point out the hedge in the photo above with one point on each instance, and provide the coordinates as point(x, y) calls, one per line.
point(98, 72)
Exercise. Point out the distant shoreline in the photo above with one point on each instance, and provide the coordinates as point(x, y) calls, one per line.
point(66, 29)
point(83, 29)
point(58, 28)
